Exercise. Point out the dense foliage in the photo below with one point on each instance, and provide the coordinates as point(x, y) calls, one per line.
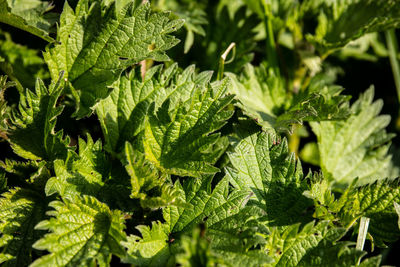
point(197, 133)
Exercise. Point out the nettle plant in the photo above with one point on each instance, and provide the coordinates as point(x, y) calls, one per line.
point(116, 151)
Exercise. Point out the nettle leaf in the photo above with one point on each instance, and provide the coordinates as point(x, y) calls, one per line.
point(356, 147)
point(200, 204)
point(22, 63)
point(197, 249)
point(84, 231)
point(82, 173)
point(20, 210)
point(23, 169)
point(314, 245)
point(263, 165)
point(223, 215)
point(123, 113)
point(96, 43)
point(29, 15)
point(262, 96)
point(236, 237)
point(148, 183)
point(343, 21)
point(151, 249)
point(31, 131)
point(375, 201)
point(181, 141)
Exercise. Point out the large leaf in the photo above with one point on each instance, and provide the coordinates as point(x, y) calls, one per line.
point(20, 211)
point(84, 231)
point(200, 205)
point(181, 141)
point(28, 15)
point(343, 21)
point(263, 165)
point(356, 147)
point(31, 131)
point(122, 114)
point(96, 42)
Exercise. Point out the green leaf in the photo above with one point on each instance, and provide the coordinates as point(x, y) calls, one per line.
point(223, 215)
point(200, 204)
point(96, 43)
point(151, 249)
point(148, 183)
point(196, 249)
point(31, 132)
point(356, 147)
point(84, 231)
point(262, 97)
point(29, 15)
point(181, 141)
point(123, 113)
point(343, 21)
point(376, 201)
point(317, 245)
point(20, 211)
point(21, 63)
point(263, 165)
point(80, 174)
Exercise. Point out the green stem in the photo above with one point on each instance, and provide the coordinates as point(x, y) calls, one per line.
point(393, 51)
point(271, 48)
